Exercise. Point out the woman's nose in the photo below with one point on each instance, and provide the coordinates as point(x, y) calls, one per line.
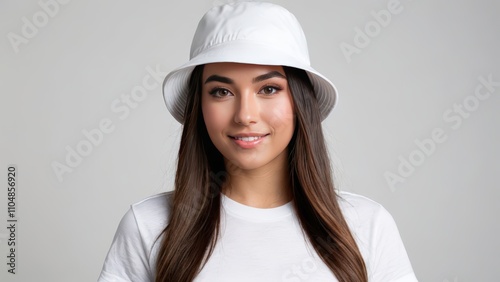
point(247, 109)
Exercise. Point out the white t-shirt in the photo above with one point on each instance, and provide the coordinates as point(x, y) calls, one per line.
point(259, 244)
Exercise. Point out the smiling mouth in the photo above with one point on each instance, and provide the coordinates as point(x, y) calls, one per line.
point(248, 138)
point(248, 141)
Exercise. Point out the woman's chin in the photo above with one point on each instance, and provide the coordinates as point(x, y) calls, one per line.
point(237, 165)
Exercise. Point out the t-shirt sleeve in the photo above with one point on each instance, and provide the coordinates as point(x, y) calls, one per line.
point(128, 256)
point(389, 261)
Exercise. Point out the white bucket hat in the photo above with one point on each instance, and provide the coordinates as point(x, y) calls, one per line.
point(247, 32)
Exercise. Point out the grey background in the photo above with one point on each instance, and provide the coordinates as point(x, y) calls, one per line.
point(393, 93)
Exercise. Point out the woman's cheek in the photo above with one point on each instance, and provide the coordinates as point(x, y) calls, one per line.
point(212, 117)
point(280, 114)
point(208, 114)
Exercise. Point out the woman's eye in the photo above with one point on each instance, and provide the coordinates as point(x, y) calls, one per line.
point(269, 90)
point(219, 92)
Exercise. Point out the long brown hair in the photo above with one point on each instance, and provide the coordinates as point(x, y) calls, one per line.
point(193, 228)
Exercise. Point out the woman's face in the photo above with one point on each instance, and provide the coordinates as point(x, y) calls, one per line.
point(248, 111)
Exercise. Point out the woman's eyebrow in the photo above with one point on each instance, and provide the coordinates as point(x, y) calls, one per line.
point(219, 78)
point(268, 76)
point(259, 78)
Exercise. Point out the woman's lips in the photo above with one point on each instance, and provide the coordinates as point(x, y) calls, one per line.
point(248, 141)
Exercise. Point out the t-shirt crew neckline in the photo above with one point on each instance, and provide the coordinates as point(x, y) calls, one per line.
point(249, 213)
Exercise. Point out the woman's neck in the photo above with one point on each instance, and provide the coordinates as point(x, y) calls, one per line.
point(265, 187)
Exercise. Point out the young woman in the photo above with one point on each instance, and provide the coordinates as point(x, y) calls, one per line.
point(254, 198)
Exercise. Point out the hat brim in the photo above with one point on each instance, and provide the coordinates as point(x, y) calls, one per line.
point(175, 84)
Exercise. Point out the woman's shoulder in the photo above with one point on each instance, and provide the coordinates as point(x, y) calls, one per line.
point(132, 254)
point(361, 212)
point(147, 218)
point(155, 203)
point(378, 238)
point(151, 214)
point(348, 201)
